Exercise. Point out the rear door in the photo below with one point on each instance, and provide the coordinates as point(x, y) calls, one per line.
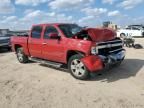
point(35, 42)
point(53, 49)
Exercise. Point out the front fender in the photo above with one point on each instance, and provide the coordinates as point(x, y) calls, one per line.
point(93, 63)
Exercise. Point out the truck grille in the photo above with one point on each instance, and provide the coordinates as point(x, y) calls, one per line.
point(108, 47)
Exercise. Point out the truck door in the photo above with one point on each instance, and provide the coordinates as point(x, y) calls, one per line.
point(35, 42)
point(53, 49)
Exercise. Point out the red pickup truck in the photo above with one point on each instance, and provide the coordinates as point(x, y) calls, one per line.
point(83, 50)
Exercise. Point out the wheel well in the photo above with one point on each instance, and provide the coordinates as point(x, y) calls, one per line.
point(17, 46)
point(122, 33)
point(71, 53)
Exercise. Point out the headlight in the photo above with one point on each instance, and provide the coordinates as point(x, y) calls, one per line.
point(94, 50)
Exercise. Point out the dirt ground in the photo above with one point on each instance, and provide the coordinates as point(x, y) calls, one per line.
point(36, 86)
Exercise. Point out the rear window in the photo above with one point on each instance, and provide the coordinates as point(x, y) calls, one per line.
point(128, 28)
point(36, 32)
point(134, 28)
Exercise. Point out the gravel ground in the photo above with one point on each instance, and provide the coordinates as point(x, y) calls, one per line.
point(34, 85)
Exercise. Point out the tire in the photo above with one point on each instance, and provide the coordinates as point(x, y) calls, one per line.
point(77, 68)
point(122, 35)
point(22, 58)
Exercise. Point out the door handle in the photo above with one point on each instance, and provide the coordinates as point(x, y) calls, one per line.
point(44, 43)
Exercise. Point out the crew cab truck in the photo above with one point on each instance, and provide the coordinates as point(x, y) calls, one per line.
point(83, 50)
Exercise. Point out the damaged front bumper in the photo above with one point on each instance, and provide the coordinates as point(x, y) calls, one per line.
point(98, 62)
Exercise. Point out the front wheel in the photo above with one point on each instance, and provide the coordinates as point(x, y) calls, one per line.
point(77, 68)
point(22, 58)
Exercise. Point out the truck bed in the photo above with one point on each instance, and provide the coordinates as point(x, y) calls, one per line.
point(20, 41)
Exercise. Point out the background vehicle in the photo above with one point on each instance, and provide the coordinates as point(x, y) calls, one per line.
point(5, 41)
point(84, 50)
point(141, 27)
point(20, 33)
point(131, 31)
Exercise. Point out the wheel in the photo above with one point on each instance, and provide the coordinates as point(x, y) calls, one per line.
point(22, 58)
point(122, 35)
point(77, 68)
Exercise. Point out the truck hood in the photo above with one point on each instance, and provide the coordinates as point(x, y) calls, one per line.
point(101, 34)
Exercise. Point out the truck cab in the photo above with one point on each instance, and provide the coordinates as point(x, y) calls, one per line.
point(83, 50)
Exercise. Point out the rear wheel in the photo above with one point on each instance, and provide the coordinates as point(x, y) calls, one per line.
point(22, 58)
point(77, 68)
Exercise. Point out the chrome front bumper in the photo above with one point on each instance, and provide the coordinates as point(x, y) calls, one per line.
point(113, 58)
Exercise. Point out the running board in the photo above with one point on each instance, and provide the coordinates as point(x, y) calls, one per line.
point(50, 63)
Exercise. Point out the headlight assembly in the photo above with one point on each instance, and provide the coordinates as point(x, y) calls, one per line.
point(93, 50)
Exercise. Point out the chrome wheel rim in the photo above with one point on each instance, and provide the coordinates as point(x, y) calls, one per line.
point(77, 68)
point(20, 56)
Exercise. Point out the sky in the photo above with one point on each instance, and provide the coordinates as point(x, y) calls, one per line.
point(22, 14)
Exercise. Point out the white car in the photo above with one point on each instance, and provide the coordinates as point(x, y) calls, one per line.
point(130, 32)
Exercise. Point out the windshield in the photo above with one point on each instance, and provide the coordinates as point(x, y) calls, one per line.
point(139, 27)
point(70, 29)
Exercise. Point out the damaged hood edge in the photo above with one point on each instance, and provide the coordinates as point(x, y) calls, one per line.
point(101, 34)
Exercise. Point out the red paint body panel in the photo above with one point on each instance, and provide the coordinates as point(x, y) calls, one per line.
point(53, 50)
point(35, 47)
point(93, 63)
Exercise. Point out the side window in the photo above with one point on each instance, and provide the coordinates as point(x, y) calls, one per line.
point(36, 32)
point(49, 29)
point(134, 28)
point(128, 28)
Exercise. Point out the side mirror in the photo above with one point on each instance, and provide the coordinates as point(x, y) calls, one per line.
point(54, 36)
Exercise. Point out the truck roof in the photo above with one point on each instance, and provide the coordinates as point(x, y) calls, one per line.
point(50, 24)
